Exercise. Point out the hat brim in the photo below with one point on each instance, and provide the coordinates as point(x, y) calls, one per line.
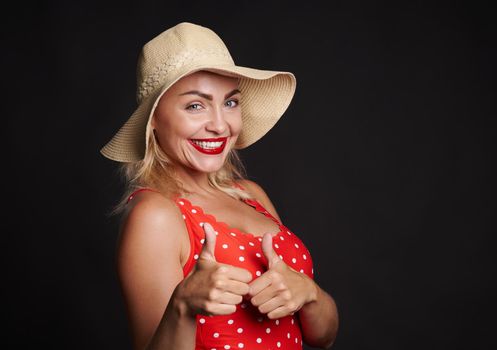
point(266, 95)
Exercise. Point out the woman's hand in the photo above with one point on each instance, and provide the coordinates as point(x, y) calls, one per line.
point(212, 288)
point(281, 290)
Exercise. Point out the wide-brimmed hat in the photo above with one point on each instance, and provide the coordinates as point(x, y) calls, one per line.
point(185, 49)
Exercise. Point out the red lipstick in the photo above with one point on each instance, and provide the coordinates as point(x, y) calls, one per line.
point(209, 145)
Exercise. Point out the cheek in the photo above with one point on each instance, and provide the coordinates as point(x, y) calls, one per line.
point(236, 125)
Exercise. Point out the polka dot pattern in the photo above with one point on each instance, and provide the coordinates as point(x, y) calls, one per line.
point(246, 328)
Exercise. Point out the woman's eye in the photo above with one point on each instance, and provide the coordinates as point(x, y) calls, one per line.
point(194, 106)
point(232, 103)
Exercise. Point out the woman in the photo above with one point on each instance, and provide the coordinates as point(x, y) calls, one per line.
point(203, 258)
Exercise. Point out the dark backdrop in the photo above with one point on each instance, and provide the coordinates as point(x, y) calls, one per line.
point(382, 164)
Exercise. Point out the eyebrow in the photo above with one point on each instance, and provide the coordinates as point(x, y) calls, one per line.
point(209, 97)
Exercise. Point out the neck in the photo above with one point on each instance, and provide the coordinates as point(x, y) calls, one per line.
point(193, 180)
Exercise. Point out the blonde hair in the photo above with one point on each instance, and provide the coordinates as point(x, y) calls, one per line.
point(155, 171)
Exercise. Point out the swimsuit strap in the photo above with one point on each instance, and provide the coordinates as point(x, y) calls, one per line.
point(139, 190)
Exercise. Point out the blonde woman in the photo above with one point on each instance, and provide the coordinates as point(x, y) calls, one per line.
point(204, 260)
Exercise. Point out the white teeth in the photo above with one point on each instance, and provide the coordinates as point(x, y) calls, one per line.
point(208, 145)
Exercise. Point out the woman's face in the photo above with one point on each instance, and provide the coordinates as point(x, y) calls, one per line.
point(198, 120)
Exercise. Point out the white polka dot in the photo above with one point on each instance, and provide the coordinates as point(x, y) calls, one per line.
point(258, 255)
point(195, 256)
point(281, 257)
point(257, 273)
point(241, 247)
point(243, 305)
point(296, 340)
point(194, 211)
point(304, 256)
point(288, 233)
point(268, 330)
point(227, 347)
point(225, 246)
point(181, 202)
point(294, 260)
point(251, 244)
point(277, 322)
point(213, 349)
point(201, 224)
point(240, 330)
point(288, 335)
point(184, 217)
point(202, 320)
point(240, 345)
point(293, 321)
point(216, 233)
point(259, 340)
point(282, 238)
point(241, 258)
point(302, 270)
point(296, 245)
point(278, 344)
point(233, 234)
point(230, 321)
point(216, 335)
point(259, 238)
point(202, 240)
point(312, 270)
point(276, 245)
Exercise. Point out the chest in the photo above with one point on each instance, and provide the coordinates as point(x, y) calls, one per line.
point(238, 215)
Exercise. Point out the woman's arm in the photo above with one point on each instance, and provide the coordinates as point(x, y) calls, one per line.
point(319, 319)
point(149, 269)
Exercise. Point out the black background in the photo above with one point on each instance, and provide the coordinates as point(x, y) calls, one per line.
point(383, 164)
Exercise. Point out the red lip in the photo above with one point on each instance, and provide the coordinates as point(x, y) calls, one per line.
point(216, 150)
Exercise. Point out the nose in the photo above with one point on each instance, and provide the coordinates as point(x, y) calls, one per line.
point(217, 122)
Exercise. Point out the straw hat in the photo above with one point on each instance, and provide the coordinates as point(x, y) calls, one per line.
point(182, 50)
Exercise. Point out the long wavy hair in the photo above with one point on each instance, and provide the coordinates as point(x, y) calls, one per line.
point(155, 171)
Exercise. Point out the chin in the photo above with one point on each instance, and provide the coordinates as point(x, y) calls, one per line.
point(209, 165)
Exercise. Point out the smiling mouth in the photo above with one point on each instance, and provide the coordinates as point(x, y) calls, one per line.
point(209, 146)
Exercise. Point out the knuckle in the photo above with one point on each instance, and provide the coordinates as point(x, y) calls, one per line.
point(291, 305)
point(275, 277)
point(286, 295)
point(245, 288)
point(281, 286)
point(221, 269)
point(213, 294)
point(219, 283)
point(209, 307)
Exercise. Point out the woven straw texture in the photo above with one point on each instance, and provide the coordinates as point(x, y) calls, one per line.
point(180, 51)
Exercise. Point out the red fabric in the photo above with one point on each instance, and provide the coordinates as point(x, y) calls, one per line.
point(246, 328)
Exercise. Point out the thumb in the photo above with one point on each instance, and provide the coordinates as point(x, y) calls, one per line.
point(209, 244)
point(268, 251)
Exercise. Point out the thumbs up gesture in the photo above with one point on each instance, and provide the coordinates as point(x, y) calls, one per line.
point(213, 288)
point(281, 290)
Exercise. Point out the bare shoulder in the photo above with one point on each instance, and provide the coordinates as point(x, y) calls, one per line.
point(257, 192)
point(151, 226)
point(151, 209)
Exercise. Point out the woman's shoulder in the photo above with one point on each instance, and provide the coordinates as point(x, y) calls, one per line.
point(150, 214)
point(253, 189)
point(258, 193)
point(151, 205)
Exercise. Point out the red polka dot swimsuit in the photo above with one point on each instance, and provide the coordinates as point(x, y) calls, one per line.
point(246, 328)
